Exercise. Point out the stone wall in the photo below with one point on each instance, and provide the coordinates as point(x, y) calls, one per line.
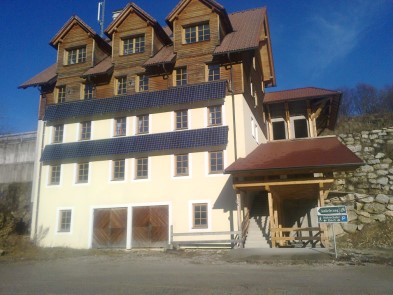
point(368, 191)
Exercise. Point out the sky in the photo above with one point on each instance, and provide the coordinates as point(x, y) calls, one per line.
point(322, 43)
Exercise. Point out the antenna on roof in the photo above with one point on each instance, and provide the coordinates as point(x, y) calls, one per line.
point(101, 16)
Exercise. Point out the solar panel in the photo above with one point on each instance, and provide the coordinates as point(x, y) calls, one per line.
point(127, 146)
point(172, 96)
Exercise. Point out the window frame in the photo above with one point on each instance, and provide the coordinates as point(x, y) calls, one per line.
point(61, 93)
point(121, 85)
point(143, 83)
point(218, 168)
point(212, 116)
point(143, 124)
point(181, 77)
point(141, 168)
point(212, 74)
point(282, 121)
point(85, 131)
point(185, 158)
point(123, 127)
point(181, 119)
point(135, 44)
point(292, 120)
point(64, 223)
point(200, 224)
point(54, 175)
point(58, 133)
point(88, 91)
point(76, 55)
point(82, 178)
point(118, 170)
point(195, 33)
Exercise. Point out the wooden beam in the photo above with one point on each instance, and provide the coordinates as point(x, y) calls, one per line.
point(271, 218)
point(281, 183)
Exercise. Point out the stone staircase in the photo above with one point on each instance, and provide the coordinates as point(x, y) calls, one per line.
point(259, 229)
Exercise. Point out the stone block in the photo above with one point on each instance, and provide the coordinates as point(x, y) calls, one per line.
point(369, 149)
point(387, 161)
point(350, 197)
point(358, 206)
point(381, 166)
point(390, 200)
point(360, 226)
point(374, 208)
point(364, 214)
point(389, 213)
point(367, 168)
point(372, 175)
point(379, 156)
point(349, 227)
point(365, 220)
point(364, 198)
point(379, 217)
point(383, 180)
point(382, 172)
point(352, 215)
point(383, 199)
point(390, 207)
point(391, 171)
point(375, 161)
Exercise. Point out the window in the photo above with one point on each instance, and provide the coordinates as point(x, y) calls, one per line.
point(143, 124)
point(76, 55)
point(143, 83)
point(181, 165)
point(64, 221)
point(200, 215)
point(61, 94)
point(58, 131)
point(55, 172)
point(181, 119)
point(118, 170)
point(215, 116)
point(121, 85)
point(88, 91)
point(300, 127)
point(83, 173)
point(216, 162)
point(213, 72)
point(279, 129)
point(85, 130)
point(135, 44)
point(197, 33)
point(120, 126)
point(181, 76)
point(142, 168)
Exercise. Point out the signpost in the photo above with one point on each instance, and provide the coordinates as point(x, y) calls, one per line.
point(332, 214)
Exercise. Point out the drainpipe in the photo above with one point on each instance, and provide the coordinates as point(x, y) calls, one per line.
point(233, 107)
point(238, 195)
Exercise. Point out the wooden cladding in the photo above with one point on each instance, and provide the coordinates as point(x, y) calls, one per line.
point(110, 228)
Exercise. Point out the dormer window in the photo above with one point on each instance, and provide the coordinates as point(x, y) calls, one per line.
point(197, 33)
point(134, 44)
point(76, 55)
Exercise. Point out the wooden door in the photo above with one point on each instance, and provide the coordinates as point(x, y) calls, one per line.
point(110, 228)
point(150, 225)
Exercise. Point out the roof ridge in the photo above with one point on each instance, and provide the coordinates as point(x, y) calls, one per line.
point(247, 10)
point(302, 88)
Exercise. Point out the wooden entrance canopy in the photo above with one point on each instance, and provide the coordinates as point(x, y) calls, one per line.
point(289, 168)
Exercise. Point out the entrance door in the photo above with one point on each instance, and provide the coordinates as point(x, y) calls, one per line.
point(110, 228)
point(150, 226)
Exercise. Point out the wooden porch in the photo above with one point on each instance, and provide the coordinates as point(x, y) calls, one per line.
point(280, 192)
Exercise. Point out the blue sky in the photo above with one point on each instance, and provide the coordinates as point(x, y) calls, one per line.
point(321, 43)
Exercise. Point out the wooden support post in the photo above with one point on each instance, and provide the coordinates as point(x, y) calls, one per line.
point(239, 217)
point(323, 227)
point(271, 218)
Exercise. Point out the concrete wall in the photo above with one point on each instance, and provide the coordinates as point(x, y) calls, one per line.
point(17, 154)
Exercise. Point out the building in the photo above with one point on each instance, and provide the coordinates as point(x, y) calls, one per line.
point(141, 134)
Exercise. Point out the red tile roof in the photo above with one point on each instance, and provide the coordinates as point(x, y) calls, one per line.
point(310, 154)
point(105, 66)
point(297, 94)
point(46, 76)
point(165, 55)
point(247, 26)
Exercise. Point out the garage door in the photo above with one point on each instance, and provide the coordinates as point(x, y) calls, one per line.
point(150, 226)
point(110, 228)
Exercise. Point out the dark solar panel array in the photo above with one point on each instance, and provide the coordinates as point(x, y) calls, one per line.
point(172, 96)
point(169, 141)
